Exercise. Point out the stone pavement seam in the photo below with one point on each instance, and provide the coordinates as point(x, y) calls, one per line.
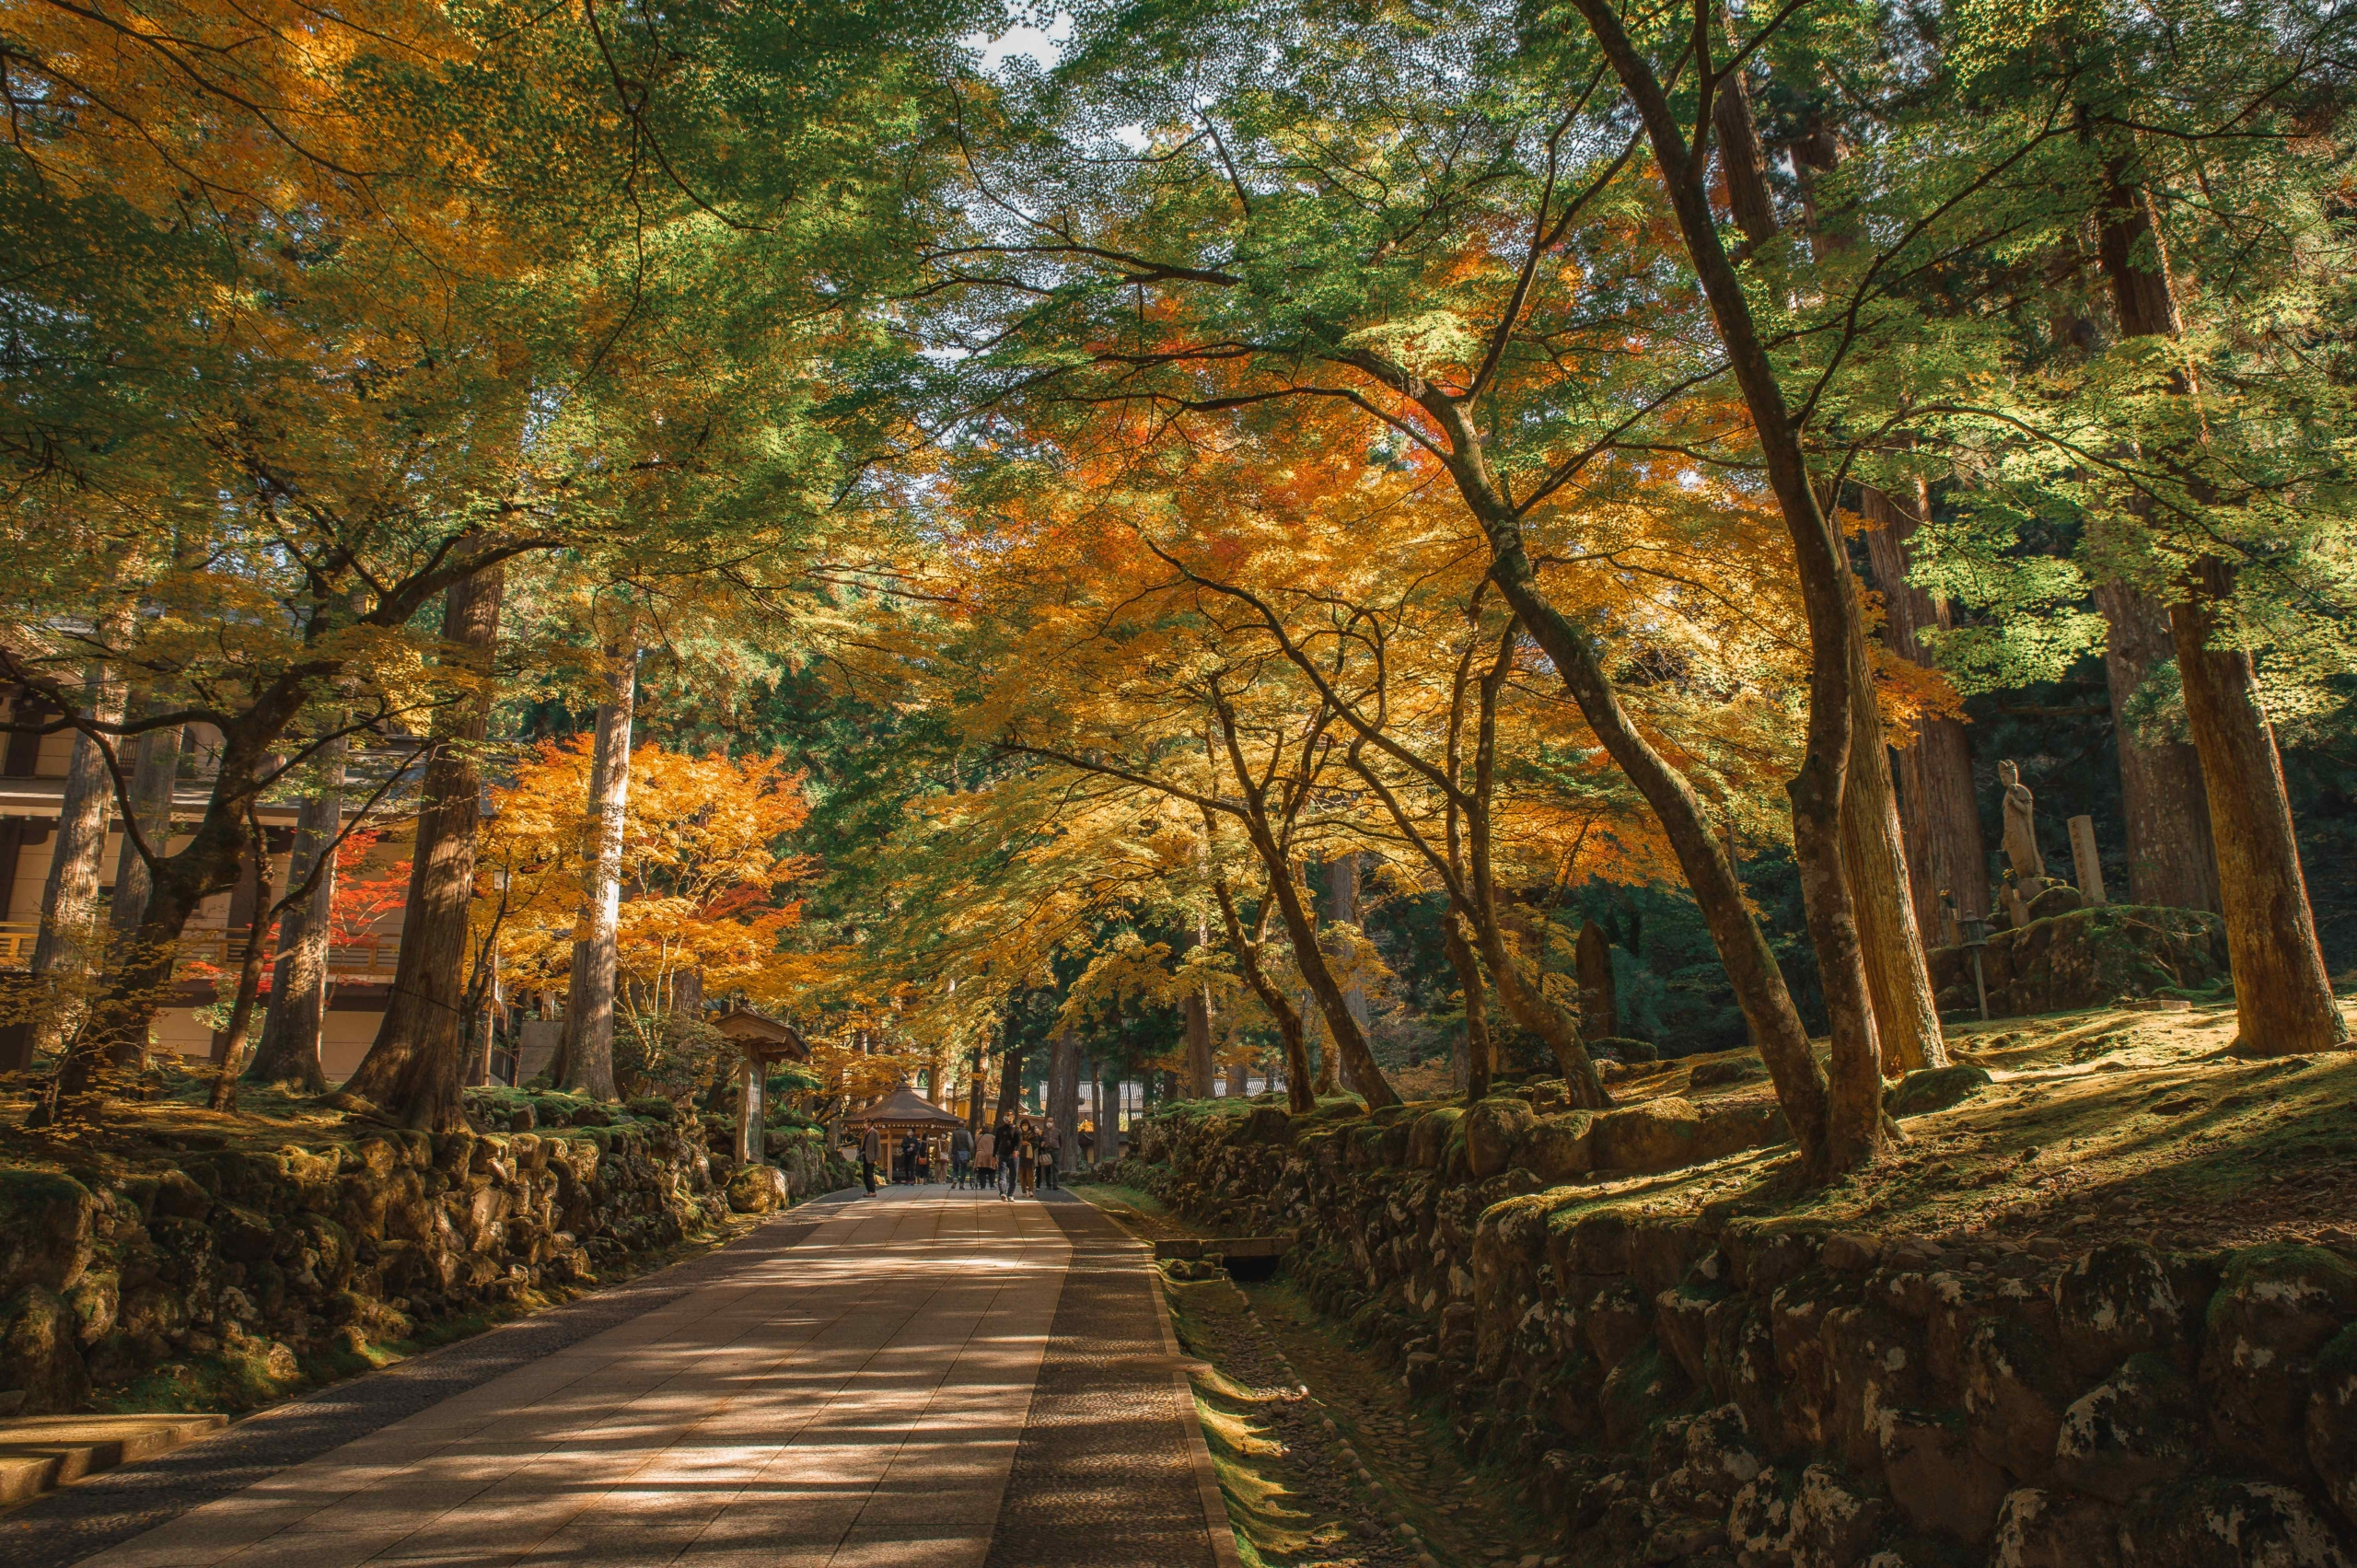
point(1221, 1529)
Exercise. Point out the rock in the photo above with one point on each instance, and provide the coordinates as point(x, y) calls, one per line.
point(2213, 1522)
point(1719, 1458)
point(1849, 1252)
point(1422, 1374)
point(1428, 1140)
point(653, 1108)
point(2116, 1302)
point(2057, 900)
point(2332, 1422)
point(2044, 1530)
point(1937, 1479)
point(1730, 1126)
point(592, 1115)
point(1615, 1322)
point(2015, 1390)
point(1834, 1522)
point(37, 1354)
point(95, 1301)
point(1620, 1048)
point(1726, 1070)
point(1266, 1125)
point(2274, 1309)
point(48, 1230)
point(1656, 1135)
point(757, 1189)
point(1558, 1148)
point(1760, 1522)
point(1646, 1387)
point(2138, 1429)
point(1934, 1088)
point(178, 1196)
point(1492, 1130)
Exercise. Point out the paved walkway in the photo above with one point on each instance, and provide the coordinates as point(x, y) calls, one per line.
point(922, 1378)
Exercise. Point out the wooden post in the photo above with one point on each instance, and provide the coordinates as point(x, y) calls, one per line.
point(2082, 851)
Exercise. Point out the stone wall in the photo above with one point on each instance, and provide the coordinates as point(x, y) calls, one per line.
point(269, 1270)
point(2084, 958)
point(1730, 1390)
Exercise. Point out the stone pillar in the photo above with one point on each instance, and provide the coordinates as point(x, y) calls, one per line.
point(2082, 851)
point(749, 1113)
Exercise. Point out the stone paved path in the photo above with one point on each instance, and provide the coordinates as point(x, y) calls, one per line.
point(922, 1378)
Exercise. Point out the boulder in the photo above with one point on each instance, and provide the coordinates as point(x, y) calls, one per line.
point(2015, 1390)
point(1428, 1140)
point(2056, 900)
point(2274, 1311)
point(1731, 1126)
point(2332, 1422)
point(2141, 1427)
point(1719, 1458)
point(39, 1357)
point(1934, 1088)
point(1726, 1071)
point(2213, 1522)
point(1558, 1148)
point(1935, 1478)
point(1656, 1135)
point(2116, 1302)
point(48, 1231)
point(2036, 1528)
point(758, 1190)
point(1492, 1130)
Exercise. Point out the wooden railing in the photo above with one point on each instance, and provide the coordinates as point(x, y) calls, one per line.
point(362, 960)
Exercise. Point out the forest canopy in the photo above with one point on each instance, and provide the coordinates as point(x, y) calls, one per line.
point(1269, 547)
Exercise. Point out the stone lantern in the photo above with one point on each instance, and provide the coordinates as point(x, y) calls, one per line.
point(758, 1042)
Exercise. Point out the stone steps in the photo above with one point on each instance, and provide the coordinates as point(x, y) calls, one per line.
point(42, 1453)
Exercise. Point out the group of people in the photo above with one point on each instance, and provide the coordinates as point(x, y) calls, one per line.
point(1017, 1154)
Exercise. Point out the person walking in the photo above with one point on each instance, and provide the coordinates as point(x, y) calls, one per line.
point(1051, 1143)
point(871, 1149)
point(1029, 1154)
point(908, 1157)
point(961, 1157)
point(1010, 1157)
point(986, 1160)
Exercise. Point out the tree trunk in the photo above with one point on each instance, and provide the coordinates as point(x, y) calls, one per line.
point(2284, 1001)
point(1938, 816)
point(1342, 896)
point(69, 901)
point(155, 769)
point(1350, 1050)
point(1599, 1005)
point(230, 1046)
point(1099, 1124)
point(1301, 1084)
point(1905, 1010)
point(292, 1027)
point(1064, 1092)
point(974, 1093)
point(2172, 859)
point(590, 1006)
point(1198, 1009)
point(412, 1068)
point(1010, 1083)
point(1480, 1054)
point(1852, 1129)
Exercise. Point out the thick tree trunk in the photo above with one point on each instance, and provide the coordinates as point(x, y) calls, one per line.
point(412, 1069)
point(1480, 1054)
point(1899, 981)
point(1937, 814)
point(1599, 1004)
point(1343, 898)
point(2172, 859)
point(63, 951)
point(590, 1004)
point(1064, 1093)
point(2284, 1001)
point(296, 1017)
point(1100, 1135)
point(974, 1087)
point(1010, 1083)
point(1201, 1069)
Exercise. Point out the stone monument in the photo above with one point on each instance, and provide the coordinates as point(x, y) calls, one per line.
point(2028, 868)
